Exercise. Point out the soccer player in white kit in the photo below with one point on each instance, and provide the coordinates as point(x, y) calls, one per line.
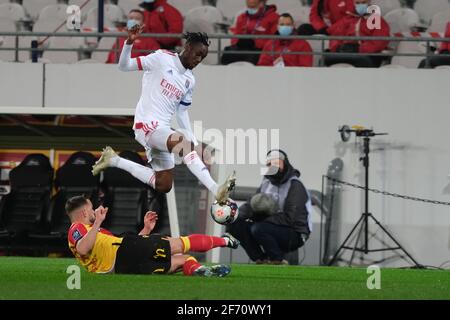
point(167, 87)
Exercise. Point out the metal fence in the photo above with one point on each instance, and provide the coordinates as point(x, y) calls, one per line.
point(41, 37)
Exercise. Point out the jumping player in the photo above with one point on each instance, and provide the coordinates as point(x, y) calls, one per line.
point(98, 250)
point(167, 86)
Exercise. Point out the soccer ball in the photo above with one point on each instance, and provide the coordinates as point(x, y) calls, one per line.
point(226, 213)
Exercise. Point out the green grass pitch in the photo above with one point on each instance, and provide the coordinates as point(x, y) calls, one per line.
point(45, 278)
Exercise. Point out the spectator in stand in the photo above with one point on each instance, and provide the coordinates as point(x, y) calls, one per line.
point(282, 47)
point(439, 60)
point(161, 17)
point(325, 13)
point(258, 19)
point(356, 24)
point(135, 16)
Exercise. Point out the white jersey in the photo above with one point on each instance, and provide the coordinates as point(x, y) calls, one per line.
point(166, 85)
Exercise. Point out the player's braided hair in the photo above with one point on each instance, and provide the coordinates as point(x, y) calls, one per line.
point(196, 37)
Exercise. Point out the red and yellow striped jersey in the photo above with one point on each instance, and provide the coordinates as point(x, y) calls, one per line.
point(102, 257)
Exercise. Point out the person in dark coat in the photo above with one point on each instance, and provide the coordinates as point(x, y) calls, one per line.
point(276, 220)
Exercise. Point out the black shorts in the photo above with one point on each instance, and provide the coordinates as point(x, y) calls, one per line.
point(143, 255)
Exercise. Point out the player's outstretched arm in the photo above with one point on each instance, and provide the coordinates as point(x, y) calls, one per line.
point(85, 244)
point(125, 61)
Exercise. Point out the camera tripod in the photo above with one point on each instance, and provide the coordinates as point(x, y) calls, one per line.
point(366, 216)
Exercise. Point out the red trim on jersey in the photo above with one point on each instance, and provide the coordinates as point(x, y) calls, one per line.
point(104, 231)
point(76, 232)
point(168, 52)
point(139, 63)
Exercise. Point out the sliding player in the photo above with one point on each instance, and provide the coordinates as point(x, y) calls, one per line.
point(98, 250)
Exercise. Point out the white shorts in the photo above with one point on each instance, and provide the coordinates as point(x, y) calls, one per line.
point(155, 143)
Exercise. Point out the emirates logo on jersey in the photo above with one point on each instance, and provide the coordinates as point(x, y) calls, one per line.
point(170, 90)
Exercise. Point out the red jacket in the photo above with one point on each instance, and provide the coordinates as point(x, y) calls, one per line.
point(164, 19)
point(332, 12)
point(264, 22)
point(139, 44)
point(348, 26)
point(446, 45)
point(290, 60)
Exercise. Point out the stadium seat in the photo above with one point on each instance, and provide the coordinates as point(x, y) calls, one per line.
point(402, 20)
point(48, 22)
point(84, 10)
point(33, 7)
point(56, 11)
point(200, 25)
point(285, 5)
point(241, 64)
point(113, 14)
point(12, 11)
point(387, 6)
point(409, 47)
point(74, 178)
point(427, 9)
point(85, 61)
point(22, 210)
point(316, 46)
point(299, 12)
point(104, 43)
point(184, 6)
point(128, 5)
point(206, 19)
point(207, 13)
point(230, 8)
point(439, 21)
point(7, 25)
point(443, 67)
point(392, 66)
point(40, 60)
point(72, 56)
point(342, 65)
point(125, 196)
point(301, 15)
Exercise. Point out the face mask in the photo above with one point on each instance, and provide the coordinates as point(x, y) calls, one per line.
point(251, 11)
point(361, 8)
point(149, 1)
point(285, 30)
point(131, 23)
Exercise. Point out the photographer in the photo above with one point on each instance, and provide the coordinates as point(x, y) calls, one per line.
point(276, 219)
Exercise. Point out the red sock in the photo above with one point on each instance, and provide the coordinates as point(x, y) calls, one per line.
point(202, 243)
point(190, 266)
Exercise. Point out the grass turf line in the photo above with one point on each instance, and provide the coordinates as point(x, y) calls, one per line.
point(45, 278)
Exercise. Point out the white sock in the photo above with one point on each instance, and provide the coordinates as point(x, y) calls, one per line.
point(198, 168)
point(140, 172)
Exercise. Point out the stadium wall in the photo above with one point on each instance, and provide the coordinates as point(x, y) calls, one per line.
point(307, 106)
